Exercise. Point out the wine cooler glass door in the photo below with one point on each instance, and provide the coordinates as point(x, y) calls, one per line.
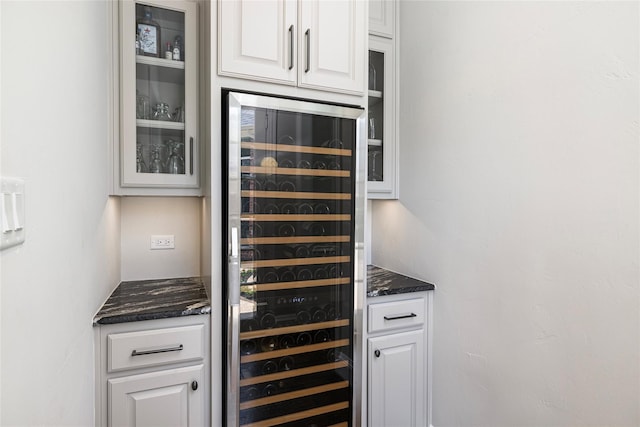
point(293, 197)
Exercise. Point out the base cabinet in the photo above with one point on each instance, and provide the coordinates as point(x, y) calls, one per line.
point(153, 373)
point(165, 398)
point(397, 380)
point(398, 377)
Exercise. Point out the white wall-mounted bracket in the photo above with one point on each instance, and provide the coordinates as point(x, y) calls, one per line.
point(12, 213)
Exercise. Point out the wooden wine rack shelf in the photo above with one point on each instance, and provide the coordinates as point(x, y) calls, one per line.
point(294, 240)
point(294, 395)
point(295, 217)
point(294, 373)
point(295, 195)
point(334, 173)
point(294, 350)
point(279, 286)
point(290, 262)
point(294, 329)
point(282, 148)
point(299, 415)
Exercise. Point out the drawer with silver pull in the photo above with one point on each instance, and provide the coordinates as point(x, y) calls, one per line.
point(396, 314)
point(138, 349)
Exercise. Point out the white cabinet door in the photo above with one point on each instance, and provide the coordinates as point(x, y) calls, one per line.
point(332, 45)
point(158, 399)
point(397, 384)
point(257, 39)
point(382, 17)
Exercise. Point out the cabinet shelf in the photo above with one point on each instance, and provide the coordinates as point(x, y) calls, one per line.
point(290, 262)
point(374, 142)
point(294, 373)
point(295, 171)
point(294, 350)
point(375, 94)
point(294, 395)
point(159, 124)
point(299, 284)
point(159, 62)
point(294, 240)
point(293, 329)
point(265, 146)
point(295, 217)
point(295, 195)
point(300, 415)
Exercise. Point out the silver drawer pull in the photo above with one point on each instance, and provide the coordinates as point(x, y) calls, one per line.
point(160, 350)
point(406, 316)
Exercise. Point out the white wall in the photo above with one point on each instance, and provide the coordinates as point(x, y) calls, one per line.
point(54, 86)
point(145, 216)
point(519, 187)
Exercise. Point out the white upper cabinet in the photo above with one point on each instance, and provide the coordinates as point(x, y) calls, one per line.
point(382, 18)
point(307, 43)
point(156, 150)
point(257, 40)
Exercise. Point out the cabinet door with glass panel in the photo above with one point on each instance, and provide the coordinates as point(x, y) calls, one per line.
point(382, 138)
point(158, 95)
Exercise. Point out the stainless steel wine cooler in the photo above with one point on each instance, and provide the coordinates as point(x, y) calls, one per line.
point(295, 262)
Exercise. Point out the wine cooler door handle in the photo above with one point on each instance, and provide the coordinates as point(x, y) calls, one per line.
point(234, 242)
point(307, 36)
point(291, 47)
point(233, 366)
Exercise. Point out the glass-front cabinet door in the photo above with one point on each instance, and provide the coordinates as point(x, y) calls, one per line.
point(382, 137)
point(158, 140)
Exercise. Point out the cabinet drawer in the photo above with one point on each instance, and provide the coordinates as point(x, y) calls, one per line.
point(396, 314)
point(140, 349)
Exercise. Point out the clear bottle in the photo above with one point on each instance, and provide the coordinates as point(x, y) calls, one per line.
point(149, 34)
point(176, 49)
point(168, 53)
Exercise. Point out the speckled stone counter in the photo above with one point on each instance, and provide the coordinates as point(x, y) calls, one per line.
point(385, 282)
point(154, 299)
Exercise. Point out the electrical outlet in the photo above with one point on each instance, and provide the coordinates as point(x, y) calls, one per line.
point(165, 241)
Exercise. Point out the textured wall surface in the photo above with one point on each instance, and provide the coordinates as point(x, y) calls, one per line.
point(519, 192)
point(54, 135)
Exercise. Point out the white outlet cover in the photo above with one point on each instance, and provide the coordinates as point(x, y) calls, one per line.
point(162, 241)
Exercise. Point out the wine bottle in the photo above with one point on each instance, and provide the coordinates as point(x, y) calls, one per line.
point(268, 344)
point(321, 209)
point(321, 336)
point(271, 209)
point(303, 317)
point(270, 389)
point(286, 275)
point(268, 320)
point(318, 315)
point(285, 364)
point(304, 274)
point(287, 185)
point(303, 338)
point(286, 230)
point(248, 347)
point(286, 341)
point(301, 251)
point(289, 209)
point(248, 325)
point(149, 34)
point(320, 273)
point(269, 367)
point(305, 209)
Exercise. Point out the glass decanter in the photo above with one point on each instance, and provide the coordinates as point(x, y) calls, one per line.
point(156, 163)
point(175, 162)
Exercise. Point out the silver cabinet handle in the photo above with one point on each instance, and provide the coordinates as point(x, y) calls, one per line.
point(400, 317)
point(307, 36)
point(291, 47)
point(159, 350)
point(191, 155)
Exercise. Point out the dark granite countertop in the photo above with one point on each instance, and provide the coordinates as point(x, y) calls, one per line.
point(385, 282)
point(154, 299)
